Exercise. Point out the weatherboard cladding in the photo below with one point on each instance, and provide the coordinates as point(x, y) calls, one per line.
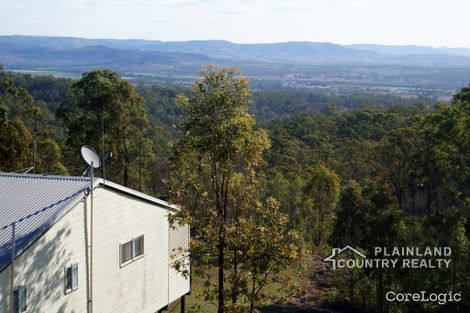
point(34, 202)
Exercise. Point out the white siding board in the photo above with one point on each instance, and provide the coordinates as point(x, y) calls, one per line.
point(178, 284)
point(4, 289)
point(41, 268)
point(140, 286)
point(178, 241)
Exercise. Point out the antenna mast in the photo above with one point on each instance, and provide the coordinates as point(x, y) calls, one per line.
point(94, 161)
point(103, 157)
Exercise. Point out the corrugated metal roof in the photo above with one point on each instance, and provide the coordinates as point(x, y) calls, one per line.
point(34, 202)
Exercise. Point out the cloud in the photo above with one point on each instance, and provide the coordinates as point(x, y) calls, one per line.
point(234, 11)
point(159, 21)
point(15, 7)
point(181, 4)
point(102, 3)
point(303, 5)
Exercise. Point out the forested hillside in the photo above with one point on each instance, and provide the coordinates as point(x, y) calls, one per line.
point(334, 170)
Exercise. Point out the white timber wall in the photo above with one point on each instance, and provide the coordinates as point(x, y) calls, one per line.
point(41, 268)
point(5, 290)
point(179, 283)
point(139, 286)
point(179, 268)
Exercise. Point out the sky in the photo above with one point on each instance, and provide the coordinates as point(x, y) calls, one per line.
point(435, 23)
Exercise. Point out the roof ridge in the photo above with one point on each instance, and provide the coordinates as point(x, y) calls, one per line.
point(44, 176)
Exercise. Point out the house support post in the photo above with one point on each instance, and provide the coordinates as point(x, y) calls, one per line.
point(183, 304)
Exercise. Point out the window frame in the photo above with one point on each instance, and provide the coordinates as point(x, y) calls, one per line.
point(141, 241)
point(16, 298)
point(121, 254)
point(73, 286)
point(134, 257)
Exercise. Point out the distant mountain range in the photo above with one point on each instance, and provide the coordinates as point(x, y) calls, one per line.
point(79, 54)
point(411, 49)
point(406, 71)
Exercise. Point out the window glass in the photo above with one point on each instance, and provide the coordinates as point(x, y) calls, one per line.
point(74, 276)
point(126, 252)
point(68, 279)
point(19, 296)
point(138, 246)
point(71, 277)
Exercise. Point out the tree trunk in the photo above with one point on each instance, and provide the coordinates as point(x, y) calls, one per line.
point(454, 261)
point(351, 285)
point(235, 280)
point(413, 192)
point(221, 306)
point(436, 200)
point(253, 287)
point(429, 200)
point(126, 174)
point(379, 291)
point(400, 199)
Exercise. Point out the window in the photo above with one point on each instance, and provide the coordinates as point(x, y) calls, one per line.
point(19, 297)
point(132, 249)
point(71, 278)
point(126, 252)
point(138, 246)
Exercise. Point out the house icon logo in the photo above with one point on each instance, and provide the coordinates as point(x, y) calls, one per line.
point(336, 252)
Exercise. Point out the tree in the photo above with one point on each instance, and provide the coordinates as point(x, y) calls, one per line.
point(322, 192)
point(51, 156)
point(349, 215)
point(15, 146)
point(259, 246)
point(15, 138)
point(346, 231)
point(398, 152)
point(446, 141)
point(217, 143)
point(263, 247)
point(103, 102)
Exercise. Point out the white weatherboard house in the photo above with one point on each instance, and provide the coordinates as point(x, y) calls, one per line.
point(59, 255)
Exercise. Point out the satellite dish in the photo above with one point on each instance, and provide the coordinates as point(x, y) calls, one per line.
point(90, 156)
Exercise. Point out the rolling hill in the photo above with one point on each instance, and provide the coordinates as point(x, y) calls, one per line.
point(335, 67)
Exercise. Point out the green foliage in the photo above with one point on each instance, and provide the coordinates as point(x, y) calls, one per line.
point(322, 194)
point(341, 172)
point(48, 89)
point(213, 179)
point(15, 146)
point(350, 213)
point(51, 158)
point(102, 95)
point(420, 199)
point(15, 138)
